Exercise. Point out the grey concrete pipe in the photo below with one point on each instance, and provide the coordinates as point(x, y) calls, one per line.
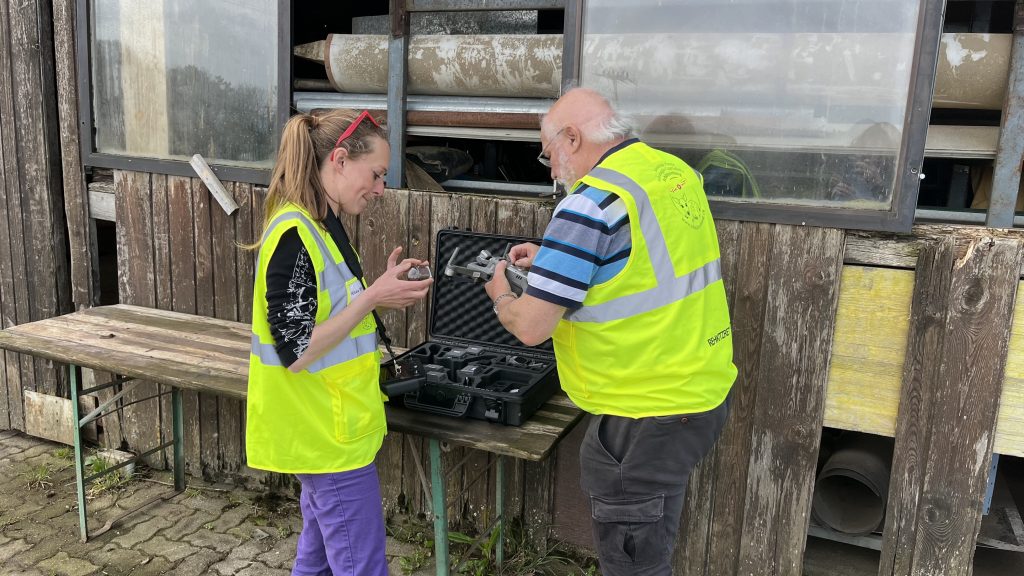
point(852, 489)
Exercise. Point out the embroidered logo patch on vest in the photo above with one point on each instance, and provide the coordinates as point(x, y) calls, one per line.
point(682, 196)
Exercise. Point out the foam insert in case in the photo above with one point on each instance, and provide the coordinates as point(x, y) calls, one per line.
point(471, 366)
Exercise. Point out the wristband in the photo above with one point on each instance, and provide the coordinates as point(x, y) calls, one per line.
point(500, 298)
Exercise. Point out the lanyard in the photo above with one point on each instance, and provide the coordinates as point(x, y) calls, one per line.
point(337, 231)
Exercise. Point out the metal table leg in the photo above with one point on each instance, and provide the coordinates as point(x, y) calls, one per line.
point(83, 525)
point(178, 432)
point(499, 497)
point(439, 509)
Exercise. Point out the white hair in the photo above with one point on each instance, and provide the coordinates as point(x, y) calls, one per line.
point(609, 129)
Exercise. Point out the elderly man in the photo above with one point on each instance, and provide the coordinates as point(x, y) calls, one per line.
point(628, 284)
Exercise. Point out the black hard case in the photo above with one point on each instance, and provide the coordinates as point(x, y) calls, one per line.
point(511, 382)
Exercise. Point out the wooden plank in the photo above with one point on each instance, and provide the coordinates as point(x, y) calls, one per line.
point(413, 447)
point(383, 226)
point(65, 340)
point(38, 149)
point(385, 223)
point(958, 399)
point(913, 429)
point(749, 301)
point(872, 327)
point(10, 386)
point(208, 405)
point(478, 478)
point(531, 485)
point(225, 333)
point(216, 350)
point(225, 300)
point(25, 371)
point(102, 205)
point(180, 209)
point(901, 250)
point(137, 285)
point(76, 197)
point(244, 236)
point(787, 418)
point(162, 277)
point(259, 194)
point(49, 417)
point(164, 294)
point(447, 211)
point(419, 246)
point(483, 213)
point(1010, 423)
point(515, 218)
point(711, 531)
point(48, 341)
point(870, 343)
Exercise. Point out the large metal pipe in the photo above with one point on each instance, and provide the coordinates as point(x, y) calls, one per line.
point(972, 70)
point(852, 488)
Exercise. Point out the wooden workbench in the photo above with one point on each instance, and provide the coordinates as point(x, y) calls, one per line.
point(210, 355)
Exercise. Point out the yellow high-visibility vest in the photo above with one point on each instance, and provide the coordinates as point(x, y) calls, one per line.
point(655, 339)
point(329, 417)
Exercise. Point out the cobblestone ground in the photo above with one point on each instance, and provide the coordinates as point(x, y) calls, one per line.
point(208, 529)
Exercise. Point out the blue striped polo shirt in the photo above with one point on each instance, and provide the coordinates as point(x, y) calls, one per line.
point(586, 243)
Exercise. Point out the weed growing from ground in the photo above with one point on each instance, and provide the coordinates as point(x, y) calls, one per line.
point(39, 477)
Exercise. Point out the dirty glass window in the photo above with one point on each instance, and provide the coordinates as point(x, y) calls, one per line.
point(172, 78)
point(774, 101)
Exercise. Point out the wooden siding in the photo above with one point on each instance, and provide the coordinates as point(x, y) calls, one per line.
point(178, 250)
point(33, 238)
point(808, 330)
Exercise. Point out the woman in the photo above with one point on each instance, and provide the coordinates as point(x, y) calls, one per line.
point(314, 406)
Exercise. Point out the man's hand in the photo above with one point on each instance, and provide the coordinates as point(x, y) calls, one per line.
point(522, 255)
point(498, 284)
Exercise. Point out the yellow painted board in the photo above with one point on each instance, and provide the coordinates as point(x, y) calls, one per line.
point(1010, 426)
point(869, 348)
point(869, 345)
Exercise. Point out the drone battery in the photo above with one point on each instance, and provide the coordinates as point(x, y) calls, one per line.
point(470, 366)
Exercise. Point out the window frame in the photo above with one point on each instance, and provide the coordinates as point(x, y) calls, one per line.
point(91, 158)
point(900, 215)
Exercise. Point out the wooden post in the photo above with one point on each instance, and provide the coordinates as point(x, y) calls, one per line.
point(953, 373)
point(803, 290)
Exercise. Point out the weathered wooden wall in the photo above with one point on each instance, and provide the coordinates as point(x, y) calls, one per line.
point(33, 238)
point(177, 250)
point(748, 506)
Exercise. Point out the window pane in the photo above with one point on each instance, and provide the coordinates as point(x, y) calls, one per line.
point(784, 101)
point(172, 78)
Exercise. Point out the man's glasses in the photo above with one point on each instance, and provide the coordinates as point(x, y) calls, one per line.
point(365, 114)
point(542, 157)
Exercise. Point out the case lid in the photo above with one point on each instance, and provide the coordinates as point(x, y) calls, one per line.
point(459, 307)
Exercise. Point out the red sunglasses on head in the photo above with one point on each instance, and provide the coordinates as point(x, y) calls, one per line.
point(355, 124)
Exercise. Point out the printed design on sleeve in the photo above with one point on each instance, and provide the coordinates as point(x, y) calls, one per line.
point(301, 307)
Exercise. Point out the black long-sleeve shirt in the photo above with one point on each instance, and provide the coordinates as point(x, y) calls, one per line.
point(291, 297)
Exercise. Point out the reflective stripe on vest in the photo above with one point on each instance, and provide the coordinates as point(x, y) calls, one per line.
point(334, 278)
point(670, 288)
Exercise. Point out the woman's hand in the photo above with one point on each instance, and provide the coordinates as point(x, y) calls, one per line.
point(391, 291)
point(522, 255)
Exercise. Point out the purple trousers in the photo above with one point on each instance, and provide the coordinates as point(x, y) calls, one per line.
point(342, 525)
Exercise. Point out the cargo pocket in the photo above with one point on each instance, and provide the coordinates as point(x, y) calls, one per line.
point(630, 532)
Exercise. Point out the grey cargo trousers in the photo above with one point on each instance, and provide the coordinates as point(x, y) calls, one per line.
point(635, 473)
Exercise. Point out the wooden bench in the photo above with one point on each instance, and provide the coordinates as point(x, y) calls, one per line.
point(209, 355)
